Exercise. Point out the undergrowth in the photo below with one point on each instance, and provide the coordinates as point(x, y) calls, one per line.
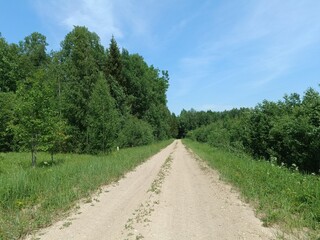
point(282, 197)
point(32, 198)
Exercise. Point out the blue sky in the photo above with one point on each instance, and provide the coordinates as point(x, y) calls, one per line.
point(220, 54)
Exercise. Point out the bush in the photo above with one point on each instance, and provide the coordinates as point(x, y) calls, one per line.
point(288, 131)
point(135, 132)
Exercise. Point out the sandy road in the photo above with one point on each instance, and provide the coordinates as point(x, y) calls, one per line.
point(171, 196)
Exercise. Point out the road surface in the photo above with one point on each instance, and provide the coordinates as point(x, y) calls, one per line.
point(171, 196)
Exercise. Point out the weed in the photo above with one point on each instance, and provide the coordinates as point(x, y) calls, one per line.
point(139, 237)
point(157, 183)
point(142, 213)
point(66, 224)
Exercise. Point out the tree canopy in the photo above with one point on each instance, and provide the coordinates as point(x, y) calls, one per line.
point(286, 132)
point(81, 98)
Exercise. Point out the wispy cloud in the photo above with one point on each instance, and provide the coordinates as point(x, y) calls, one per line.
point(288, 29)
point(123, 19)
point(259, 46)
point(97, 15)
point(208, 46)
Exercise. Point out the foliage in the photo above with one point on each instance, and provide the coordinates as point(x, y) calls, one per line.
point(285, 131)
point(282, 197)
point(32, 198)
point(192, 119)
point(33, 48)
point(13, 67)
point(36, 125)
point(114, 72)
point(103, 118)
point(135, 132)
point(145, 88)
point(7, 105)
point(79, 98)
point(81, 58)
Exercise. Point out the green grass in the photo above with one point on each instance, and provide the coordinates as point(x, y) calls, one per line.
point(283, 198)
point(31, 198)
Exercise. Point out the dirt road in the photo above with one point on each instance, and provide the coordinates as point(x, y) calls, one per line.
point(171, 196)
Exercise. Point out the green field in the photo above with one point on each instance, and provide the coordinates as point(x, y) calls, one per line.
point(283, 198)
point(31, 198)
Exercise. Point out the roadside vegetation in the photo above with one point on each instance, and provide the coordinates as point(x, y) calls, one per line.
point(31, 198)
point(286, 132)
point(82, 98)
point(89, 99)
point(271, 153)
point(282, 197)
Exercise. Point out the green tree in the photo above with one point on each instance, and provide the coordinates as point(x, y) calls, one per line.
point(311, 108)
point(135, 132)
point(7, 105)
point(81, 58)
point(158, 116)
point(137, 85)
point(4, 65)
point(32, 54)
point(11, 67)
point(103, 118)
point(174, 128)
point(36, 124)
point(114, 73)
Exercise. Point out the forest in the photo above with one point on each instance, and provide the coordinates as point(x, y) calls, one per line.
point(84, 98)
point(286, 132)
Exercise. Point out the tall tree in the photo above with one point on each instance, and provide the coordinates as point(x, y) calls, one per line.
point(103, 118)
point(11, 68)
point(138, 85)
point(36, 124)
point(4, 65)
point(7, 104)
point(81, 59)
point(114, 73)
point(34, 48)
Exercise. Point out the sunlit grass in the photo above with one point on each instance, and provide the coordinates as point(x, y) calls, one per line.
point(33, 198)
point(282, 197)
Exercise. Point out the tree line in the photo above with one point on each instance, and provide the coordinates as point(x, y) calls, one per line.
point(286, 132)
point(83, 98)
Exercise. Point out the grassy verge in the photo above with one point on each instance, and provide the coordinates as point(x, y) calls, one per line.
point(282, 197)
point(33, 198)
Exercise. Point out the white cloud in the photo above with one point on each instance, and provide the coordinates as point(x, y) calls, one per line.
point(289, 28)
point(121, 18)
point(97, 15)
point(261, 44)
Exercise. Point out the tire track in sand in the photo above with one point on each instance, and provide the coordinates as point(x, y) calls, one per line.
point(169, 197)
point(141, 216)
